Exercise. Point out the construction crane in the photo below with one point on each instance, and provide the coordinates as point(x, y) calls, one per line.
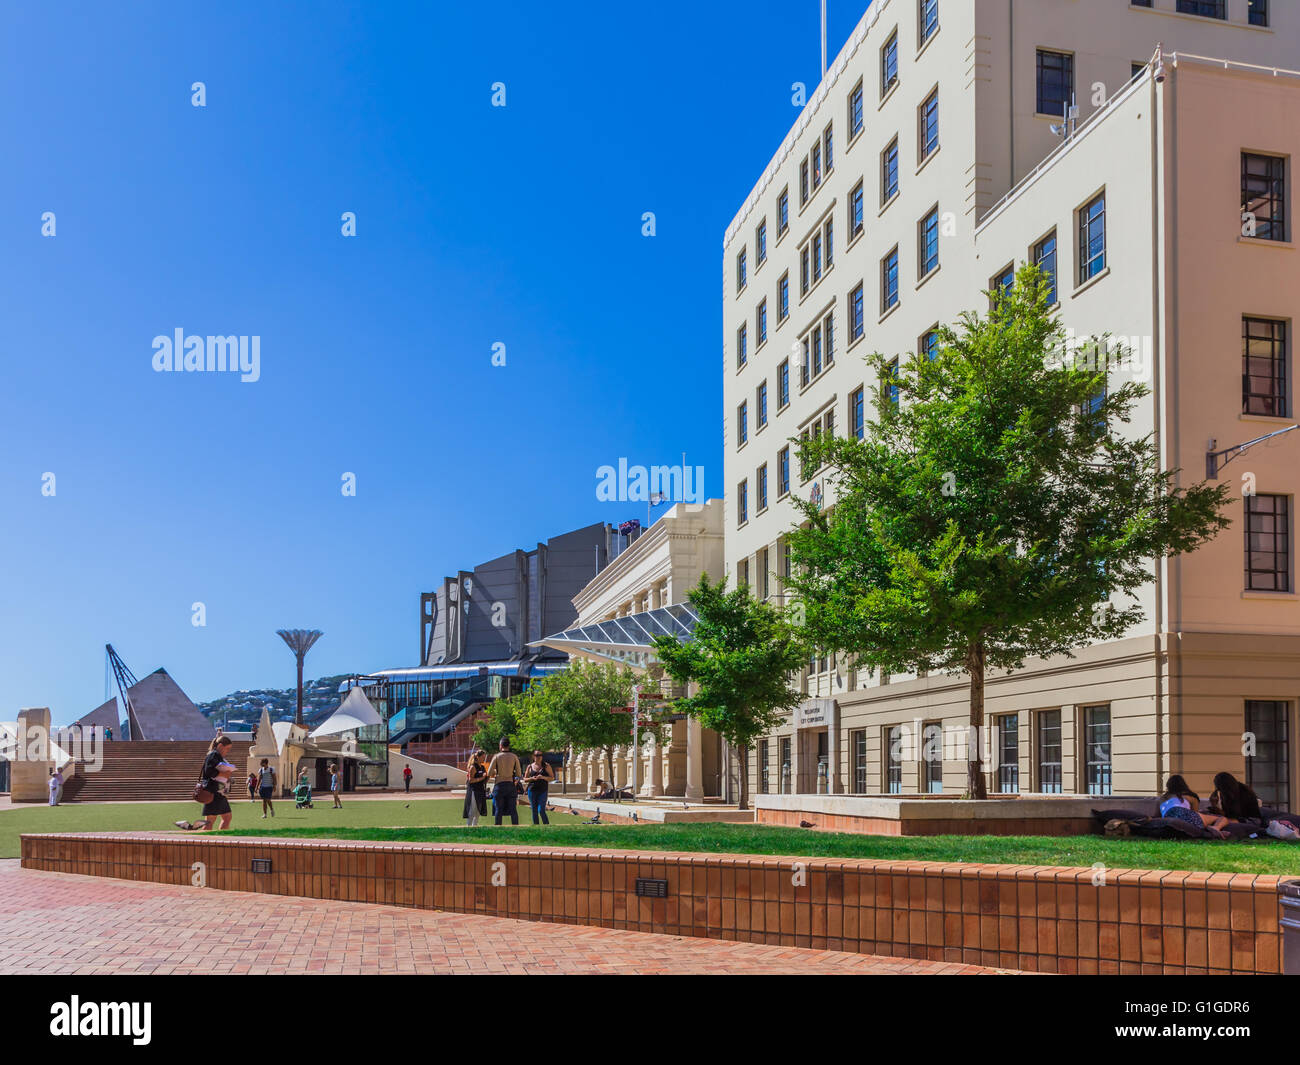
point(125, 681)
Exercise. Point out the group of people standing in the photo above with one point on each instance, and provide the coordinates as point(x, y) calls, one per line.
point(508, 778)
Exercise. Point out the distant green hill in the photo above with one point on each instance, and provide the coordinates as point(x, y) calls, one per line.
point(242, 709)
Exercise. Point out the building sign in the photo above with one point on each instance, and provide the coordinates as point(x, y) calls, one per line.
point(814, 713)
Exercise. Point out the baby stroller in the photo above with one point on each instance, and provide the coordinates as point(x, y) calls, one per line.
point(302, 797)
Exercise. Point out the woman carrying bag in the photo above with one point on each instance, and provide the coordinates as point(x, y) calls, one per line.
point(214, 780)
point(475, 788)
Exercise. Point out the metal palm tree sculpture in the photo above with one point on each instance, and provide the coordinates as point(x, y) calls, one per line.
point(300, 642)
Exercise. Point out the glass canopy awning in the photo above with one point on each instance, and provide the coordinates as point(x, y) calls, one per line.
point(626, 640)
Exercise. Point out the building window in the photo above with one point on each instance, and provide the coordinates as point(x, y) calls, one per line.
point(742, 423)
point(828, 333)
point(783, 297)
point(894, 760)
point(828, 243)
point(763, 783)
point(1001, 284)
point(1092, 239)
point(762, 487)
point(1044, 256)
point(889, 172)
point(928, 243)
point(855, 111)
point(828, 149)
point(1263, 369)
point(1268, 543)
point(889, 64)
point(1049, 752)
point(760, 406)
point(1096, 749)
point(889, 281)
point(1268, 770)
point(803, 183)
point(742, 346)
point(1208, 8)
point(760, 243)
point(857, 412)
point(891, 383)
point(764, 575)
point(782, 213)
point(742, 502)
point(930, 343)
point(856, 324)
point(742, 572)
point(1009, 753)
point(929, 19)
point(741, 275)
point(1263, 196)
point(1055, 82)
point(783, 473)
point(928, 120)
point(762, 321)
point(784, 767)
point(855, 211)
point(1258, 12)
point(858, 749)
point(783, 384)
point(803, 270)
point(932, 759)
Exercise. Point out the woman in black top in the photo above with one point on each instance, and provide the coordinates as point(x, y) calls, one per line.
point(537, 777)
point(215, 777)
point(476, 787)
point(1235, 800)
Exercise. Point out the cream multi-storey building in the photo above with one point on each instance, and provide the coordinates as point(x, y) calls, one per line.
point(923, 169)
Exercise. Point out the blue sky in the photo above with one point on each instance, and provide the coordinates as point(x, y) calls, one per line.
point(475, 225)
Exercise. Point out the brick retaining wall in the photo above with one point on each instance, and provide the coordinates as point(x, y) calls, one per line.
point(1040, 919)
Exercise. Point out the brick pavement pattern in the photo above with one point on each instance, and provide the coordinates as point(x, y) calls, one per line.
point(64, 923)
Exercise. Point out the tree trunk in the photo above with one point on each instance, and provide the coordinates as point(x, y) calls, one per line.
point(975, 655)
point(609, 764)
point(742, 754)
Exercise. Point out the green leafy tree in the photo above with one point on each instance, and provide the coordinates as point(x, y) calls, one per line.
point(498, 721)
point(995, 507)
point(739, 658)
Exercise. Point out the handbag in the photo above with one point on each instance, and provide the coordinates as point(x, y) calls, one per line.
point(202, 794)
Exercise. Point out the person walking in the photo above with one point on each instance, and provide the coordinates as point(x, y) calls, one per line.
point(537, 778)
point(504, 770)
point(334, 786)
point(406, 776)
point(475, 788)
point(266, 786)
point(215, 779)
point(251, 784)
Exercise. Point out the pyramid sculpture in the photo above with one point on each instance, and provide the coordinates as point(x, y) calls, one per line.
point(161, 711)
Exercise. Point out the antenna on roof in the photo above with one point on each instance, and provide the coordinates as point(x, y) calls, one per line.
point(823, 39)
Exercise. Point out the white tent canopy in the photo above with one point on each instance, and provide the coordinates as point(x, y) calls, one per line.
point(355, 712)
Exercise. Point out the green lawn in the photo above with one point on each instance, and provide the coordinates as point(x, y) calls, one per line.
point(439, 820)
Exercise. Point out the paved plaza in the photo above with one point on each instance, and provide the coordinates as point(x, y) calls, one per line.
point(60, 923)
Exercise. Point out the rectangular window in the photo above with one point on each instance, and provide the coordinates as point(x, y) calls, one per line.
point(1263, 196)
point(763, 781)
point(804, 278)
point(1092, 239)
point(762, 322)
point(783, 384)
point(927, 243)
point(741, 274)
point(1001, 283)
point(889, 281)
point(1044, 256)
point(1055, 82)
point(930, 343)
point(764, 574)
point(929, 19)
point(817, 350)
point(1049, 752)
point(760, 243)
point(928, 121)
point(1096, 749)
point(932, 759)
point(782, 212)
point(858, 747)
point(891, 382)
point(803, 182)
point(783, 472)
point(1268, 770)
point(762, 487)
point(1208, 8)
point(1268, 543)
point(828, 149)
point(828, 242)
point(889, 64)
point(1258, 12)
point(856, 324)
point(857, 412)
point(760, 408)
point(855, 111)
point(894, 760)
point(855, 211)
point(742, 502)
point(1009, 753)
point(742, 423)
point(742, 346)
point(816, 161)
point(817, 257)
point(783, 297)
point(784, 767)
point(828, 334)
point(1263, 367)
point(889, 172)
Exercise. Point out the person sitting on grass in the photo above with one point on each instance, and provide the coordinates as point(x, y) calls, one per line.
point(1235, 801)
point(1183, 804)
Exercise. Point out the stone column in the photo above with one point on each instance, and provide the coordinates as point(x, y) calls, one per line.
point(694, 759)
point(654, 777)
point(29, 772)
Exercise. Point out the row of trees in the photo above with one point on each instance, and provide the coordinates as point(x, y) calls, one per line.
point(993, 511)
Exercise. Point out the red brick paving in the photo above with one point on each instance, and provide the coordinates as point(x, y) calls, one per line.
point(60, 923)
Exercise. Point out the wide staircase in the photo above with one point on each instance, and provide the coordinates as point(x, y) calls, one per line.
point(152, 770)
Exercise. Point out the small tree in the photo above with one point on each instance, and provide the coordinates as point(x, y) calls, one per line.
point(992, 509)
point(740, 658)
point(499, 720)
